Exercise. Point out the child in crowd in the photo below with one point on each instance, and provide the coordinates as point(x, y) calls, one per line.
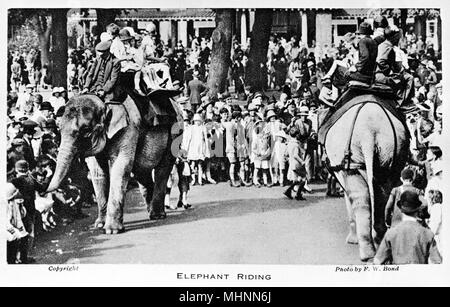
point(279, 149)
point(435, 221)
point(194, 142)
point(393, 213)
point(409, 242)
point(297, 170)
point(261, 151)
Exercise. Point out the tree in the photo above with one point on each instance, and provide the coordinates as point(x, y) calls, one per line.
point(41, 22)
point(59, 47)
point(259, 46)
point(104, 18)
point(221, 51)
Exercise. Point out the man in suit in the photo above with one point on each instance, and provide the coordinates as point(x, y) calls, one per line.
point(195, 90)
point(103, 76)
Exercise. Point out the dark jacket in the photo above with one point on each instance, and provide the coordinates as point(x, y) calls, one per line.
point(195, 88)
point(111, 77)
point(386, 58)
point(368, 50)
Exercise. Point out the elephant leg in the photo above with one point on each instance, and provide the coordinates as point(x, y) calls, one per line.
point(146, 185)
point(156, 208)
point(120, 175)
point(358, 195)
point(98, 169)
point(381, 198)
point(352, 237)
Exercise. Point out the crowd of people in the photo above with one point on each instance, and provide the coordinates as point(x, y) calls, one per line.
point(247, 137)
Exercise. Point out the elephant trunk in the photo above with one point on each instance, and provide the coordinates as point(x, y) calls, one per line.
point(67, 151)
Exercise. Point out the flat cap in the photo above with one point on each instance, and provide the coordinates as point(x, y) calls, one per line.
point(103, 46)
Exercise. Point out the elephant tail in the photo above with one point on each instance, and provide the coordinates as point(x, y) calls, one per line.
point(368, 151)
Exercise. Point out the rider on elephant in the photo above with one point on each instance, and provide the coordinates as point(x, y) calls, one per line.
point(103, 77)
point(391, 70)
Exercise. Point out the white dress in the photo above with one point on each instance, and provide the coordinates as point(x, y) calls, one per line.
point(196, 143)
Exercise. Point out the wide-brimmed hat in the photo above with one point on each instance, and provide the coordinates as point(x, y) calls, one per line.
point(22, 166)
point(30, 126)
point(55, 90)
point(29, 85)
point(125, 35)
point(430, 65)
point(105, 36)
point(303, 110)
point(365, 29)
point(409, 202)
point(18, 142)
point(270, 114)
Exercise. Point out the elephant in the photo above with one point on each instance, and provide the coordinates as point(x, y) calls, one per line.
point(116, 143)
point(379, 143)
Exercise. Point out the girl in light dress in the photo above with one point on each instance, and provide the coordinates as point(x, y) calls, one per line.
point(195, 142)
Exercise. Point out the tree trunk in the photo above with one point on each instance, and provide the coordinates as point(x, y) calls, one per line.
point(104, 18)
point(421, 27)
point(220, 56)
point(258, 52)
point(59, 47)
point(439, 33)
point(43, 26)
point(403, 18)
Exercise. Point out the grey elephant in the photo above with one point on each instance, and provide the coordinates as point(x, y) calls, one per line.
point(117, 144)
point(378, 144)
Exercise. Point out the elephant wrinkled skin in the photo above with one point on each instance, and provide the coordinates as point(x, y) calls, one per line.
point(367, 190)
point(115, 144)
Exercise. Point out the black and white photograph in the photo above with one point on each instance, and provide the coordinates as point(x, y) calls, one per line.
point(294, 136)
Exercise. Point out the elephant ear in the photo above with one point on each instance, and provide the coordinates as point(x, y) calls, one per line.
point(116, 119)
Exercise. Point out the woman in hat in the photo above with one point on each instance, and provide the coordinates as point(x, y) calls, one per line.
point(15, 230)
point(195, 142)
point(279, 156)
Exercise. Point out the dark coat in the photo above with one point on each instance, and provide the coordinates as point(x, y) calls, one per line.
point(386, 58)
point(368, 50)
point(111, 86)
point(195, 88)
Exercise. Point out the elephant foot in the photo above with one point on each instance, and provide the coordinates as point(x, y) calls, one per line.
point(157, 216)
point(99, 223)
point(366, 254)
point(113, 228)
point(351, 238)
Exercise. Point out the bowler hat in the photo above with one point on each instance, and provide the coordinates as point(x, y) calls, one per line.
point(29, 124)
point(409, 202)
point(365, 29)
point(46, 106)
point(103, 46)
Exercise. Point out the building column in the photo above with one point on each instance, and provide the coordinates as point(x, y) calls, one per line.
point(183, 33)
point(304, 27)
point(243, 28)
point(165, 31)
point(251, 20)
point(174, 33)
point(324, 28)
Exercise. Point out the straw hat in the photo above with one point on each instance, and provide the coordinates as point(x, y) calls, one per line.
point(197, 117)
